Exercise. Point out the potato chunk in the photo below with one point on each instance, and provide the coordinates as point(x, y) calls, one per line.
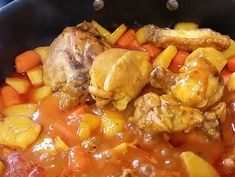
point(20, 110)
point(113, 38)
point(103, 32)
point(230, 51)
point(42, 52)
point(212, 55)
point(196, 166)
point(112, 123)
point(19, 84)
point(35, 76)
point(18, 131)
point(41, 92)
point(185, 26)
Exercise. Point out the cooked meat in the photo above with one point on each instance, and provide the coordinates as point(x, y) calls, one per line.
point(118, 75)
point(156, 114)
point(197, 84)
point(68, 62)
point(213, 119)
point(188, 40)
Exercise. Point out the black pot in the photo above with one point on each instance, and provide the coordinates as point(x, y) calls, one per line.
point(25, 24)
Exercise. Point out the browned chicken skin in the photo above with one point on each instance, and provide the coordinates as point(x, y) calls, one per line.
point(197, 84)
point(69, 60)
point(186, 39)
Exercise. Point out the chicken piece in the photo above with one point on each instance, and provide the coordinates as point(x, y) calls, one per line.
point(118, 75)
point(188, 40)
point(66, 68)
point(156, 114)
point(197, 84)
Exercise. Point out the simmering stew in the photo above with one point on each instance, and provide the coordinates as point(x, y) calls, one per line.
point(148, 102)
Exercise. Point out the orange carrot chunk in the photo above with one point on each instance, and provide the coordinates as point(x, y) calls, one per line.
point(231, 64)
point(26, 61)
point(10, 96)
point(78, 159)
point(225, 74)
point(126, 38)
point(152, 50)
point(180, 57)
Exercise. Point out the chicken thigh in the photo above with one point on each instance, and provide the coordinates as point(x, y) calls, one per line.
point(66, 68)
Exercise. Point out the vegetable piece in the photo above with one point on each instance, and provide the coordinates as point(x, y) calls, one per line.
point(19, 84)
point(112, 123)
point(41, 92)
point(78, 159)
point(231, 64)
point(10, 96)
point(26, 110)
point(26, 61)
point(141, 35)
point(103, 32)
point(42, 52)
point(2, 166)
point(230, 51)
point(231, 82)
point(152, 50)
point(122, 148)
point(180, 57)
point(78, 111)
point(35, 76)
point(126, 39)
point(45, 144)
point(225, 74)
point(61, 145)
point(113, 38)
point(196, 166)
point(18, 131)
point(89, 123)
point(185, 26)
point(165, 58)
point(212, 55)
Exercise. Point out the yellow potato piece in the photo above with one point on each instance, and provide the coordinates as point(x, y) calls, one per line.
point(89, 123)
point(42, 52)
point(165, 58)
point(19, 84)
point(112, 123)
point(103, 32)
point(26, 110)
point(196, 166)
point(231, 82)
point(60, 144)
point(212, 55)
point(45, 144)
point(113, 38)
point(18, 131)
point(141, 35)
point(41, 92)
point(35, 76)
point(230, 51)
point(185, 26)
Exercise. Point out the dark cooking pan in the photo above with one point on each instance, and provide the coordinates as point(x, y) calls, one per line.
point(25, 24)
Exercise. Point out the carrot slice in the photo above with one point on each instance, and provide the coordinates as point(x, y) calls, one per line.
point(231, 64)
point(26, 61)
point(225, 74)
point(180, 57)
point(78, 159)
point(126, 39)
point(10, 96)
point(152, 50)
